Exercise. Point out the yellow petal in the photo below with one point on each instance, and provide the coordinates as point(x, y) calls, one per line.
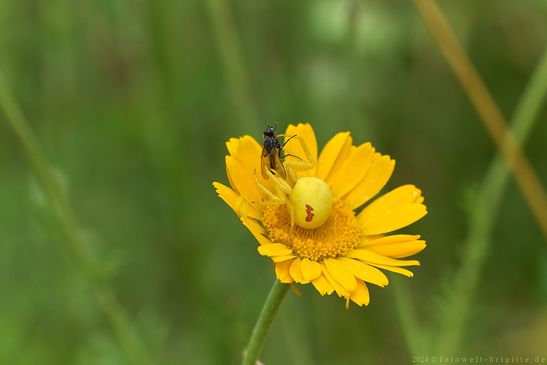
point(253, 226)
point(400, 245)
point(236, 202)
point(282, 258)
point(375, 258)
point(248, 151)
point(231, 145)
point(247, 210)
point(274, 249)
point(361, 294)
point(391, 220)
point(282, 272)
point(228, 195)
point(397, 269)
point(230, 180)
point(352, 170)
point(365, 272)
point(306, 134)
point(384, 240)
point(322, 285)
point(341, 274)
point(296, 272)
point(256, 230)
point(404, 194)
point(396, 209)
point(248, 154)
point(244, 160)
point(310, 269)
point(332, 154)
point(338, 288)
point(378, 171)
point(243, 180)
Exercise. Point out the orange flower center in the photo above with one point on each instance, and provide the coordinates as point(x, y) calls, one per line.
point(336, 237)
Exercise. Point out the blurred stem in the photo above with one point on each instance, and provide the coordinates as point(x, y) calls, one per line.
point(456, 310)
point(59, 202)
point(229, 47)
point(484, 212)
point(487, 109)
point(262, 326)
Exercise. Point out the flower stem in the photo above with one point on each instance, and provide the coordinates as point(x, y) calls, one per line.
point(262, 326)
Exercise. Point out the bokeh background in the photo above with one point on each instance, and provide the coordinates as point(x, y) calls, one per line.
point(132, 101)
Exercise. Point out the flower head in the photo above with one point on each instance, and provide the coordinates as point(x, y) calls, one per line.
point(315, 219)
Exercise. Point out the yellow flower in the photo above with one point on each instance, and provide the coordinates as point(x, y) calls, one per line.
point(312, 224)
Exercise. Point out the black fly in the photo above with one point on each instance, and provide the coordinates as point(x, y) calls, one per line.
point(272, 153)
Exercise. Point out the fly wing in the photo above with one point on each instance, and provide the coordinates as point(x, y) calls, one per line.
point(270, 160)
point(278, 165)
point(264, 163)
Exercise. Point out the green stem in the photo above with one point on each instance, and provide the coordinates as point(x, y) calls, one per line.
point(262, 326)
point(483, 218)
point(490, 114)
point(86, 261)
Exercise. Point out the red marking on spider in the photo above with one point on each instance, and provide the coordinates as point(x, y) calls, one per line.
point(309, 212)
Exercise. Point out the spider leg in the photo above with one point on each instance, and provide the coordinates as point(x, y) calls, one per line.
point(279, 182)
point(290, 208)
point(275, 199)
point(301, 165)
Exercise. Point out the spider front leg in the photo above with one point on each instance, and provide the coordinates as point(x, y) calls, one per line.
point(293, 166)
point(281, 185)
point(278, 198)
point(283, 190)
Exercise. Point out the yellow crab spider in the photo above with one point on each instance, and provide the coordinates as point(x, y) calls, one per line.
point(308, 199)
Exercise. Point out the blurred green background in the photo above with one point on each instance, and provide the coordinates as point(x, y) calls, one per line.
point(132, 102)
